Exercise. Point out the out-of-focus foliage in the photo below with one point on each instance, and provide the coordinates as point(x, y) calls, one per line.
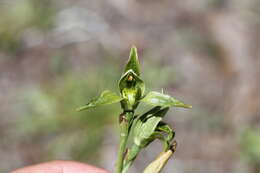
point(49, 117)
point(250, 145)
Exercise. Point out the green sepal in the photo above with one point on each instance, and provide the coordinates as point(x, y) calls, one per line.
point(132, 89)
point(133, 63)
point(159, 99)
point(106, 97)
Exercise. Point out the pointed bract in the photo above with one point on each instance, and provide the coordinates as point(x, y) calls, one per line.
point(133, 62)
point(158, 164)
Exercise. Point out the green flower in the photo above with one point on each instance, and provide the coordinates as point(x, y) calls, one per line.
point(131, 86)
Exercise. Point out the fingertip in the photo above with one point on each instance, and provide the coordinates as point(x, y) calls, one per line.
point(60, 166)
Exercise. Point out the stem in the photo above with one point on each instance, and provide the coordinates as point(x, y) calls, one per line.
point(122, 146)
point(124, 133)
point(131, 157)
point(126, 167)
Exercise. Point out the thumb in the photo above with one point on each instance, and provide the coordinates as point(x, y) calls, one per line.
point(60, 167)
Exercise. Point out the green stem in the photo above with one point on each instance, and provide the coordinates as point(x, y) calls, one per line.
point(124, 133)
point(126, 167)
point(131, 157)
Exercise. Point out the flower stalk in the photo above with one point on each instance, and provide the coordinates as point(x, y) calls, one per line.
point(124, 120)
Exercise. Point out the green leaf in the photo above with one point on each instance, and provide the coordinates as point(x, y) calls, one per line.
point(162, 112)
point(133, 63)
point(150, 113)
point(149, 127)
point(166, 129)
point(146, 126)
point(106, 97)
point(144, 130)
point(163, 127)
point(159, 99)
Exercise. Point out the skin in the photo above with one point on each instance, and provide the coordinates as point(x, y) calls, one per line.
point(60, 167)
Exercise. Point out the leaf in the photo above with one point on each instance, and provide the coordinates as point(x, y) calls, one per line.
point(106, 97)
point(166, 129)
point(156, 111)
point(159, 99)
point(150, 112)
point(163, 127)
point(144, 130)
point(142, 118)
point(162, 112)
point(133, 63)
point(147, 124)
point(149, 127)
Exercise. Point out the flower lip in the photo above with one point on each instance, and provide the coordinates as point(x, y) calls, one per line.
point(128, 80)
point(132, 89)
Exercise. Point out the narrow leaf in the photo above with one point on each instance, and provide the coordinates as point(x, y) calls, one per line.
point(106, 97)
point(133, 62)
point(159, 99)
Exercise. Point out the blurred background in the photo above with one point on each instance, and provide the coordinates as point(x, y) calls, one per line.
point(57, 54)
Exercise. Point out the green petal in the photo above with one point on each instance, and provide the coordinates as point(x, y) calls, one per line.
point(106, 97)
point(133, 63)
point(159, 99)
